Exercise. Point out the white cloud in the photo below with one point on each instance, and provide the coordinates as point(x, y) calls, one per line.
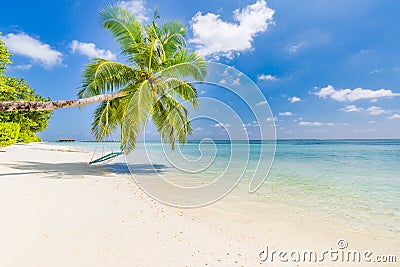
point(137, 8)
point(374, 110)
point(288, 113)
point(222, 125)
point(319, 124)
point(91, 51)
point(25, 45)
point(230, 77)
point(20, 67)
point(213, 36)
point(261, 103)
point(372, 122)
point(227, 71)
point(294, 99)
point(295, 48)
point(394, 117)
point(352, 108)
point(375, 71)
point(272, 119)
point(252, 124)
point(267, 77)
point(354, 95)
point(307, 123)
point(236, 82)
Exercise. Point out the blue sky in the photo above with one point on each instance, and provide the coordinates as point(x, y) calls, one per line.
point(328, 69)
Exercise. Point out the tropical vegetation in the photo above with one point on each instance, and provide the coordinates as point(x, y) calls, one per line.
point(14, 89)
point(8, 133)
point(151, 84)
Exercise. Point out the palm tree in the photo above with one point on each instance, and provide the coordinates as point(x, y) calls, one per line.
point(151, 85)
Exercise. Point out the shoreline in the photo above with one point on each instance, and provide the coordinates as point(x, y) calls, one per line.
point(66, 212)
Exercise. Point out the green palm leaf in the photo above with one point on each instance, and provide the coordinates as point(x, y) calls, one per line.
point(125, 28)
point(185, 65)
point(170, 118)
point(136, 115)
point(104, 76)
point(156, 80)
point(183, 89)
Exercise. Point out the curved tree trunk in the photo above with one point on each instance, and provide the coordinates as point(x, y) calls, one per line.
point(52, 105)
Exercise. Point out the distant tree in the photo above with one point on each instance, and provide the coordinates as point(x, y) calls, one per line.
point(4, 58)
point(14, 89)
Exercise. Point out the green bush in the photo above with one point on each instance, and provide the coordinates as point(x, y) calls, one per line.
point(27, 137)
point(15, 89)
point(9, 133)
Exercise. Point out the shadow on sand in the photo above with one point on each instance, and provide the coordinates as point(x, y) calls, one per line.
point(71, 170)
point(122, 168)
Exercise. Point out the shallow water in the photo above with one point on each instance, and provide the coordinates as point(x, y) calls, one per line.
point(354, 181)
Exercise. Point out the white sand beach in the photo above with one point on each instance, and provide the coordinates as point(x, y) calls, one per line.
point(56, 210)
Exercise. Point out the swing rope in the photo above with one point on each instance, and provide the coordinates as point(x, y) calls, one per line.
point(109, 156)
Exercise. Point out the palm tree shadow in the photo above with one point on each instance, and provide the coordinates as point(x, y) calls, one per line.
point(76, 170)
point(61, 170)
point(123, 168)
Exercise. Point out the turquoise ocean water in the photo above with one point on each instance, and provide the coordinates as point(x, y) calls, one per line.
point(354, 181)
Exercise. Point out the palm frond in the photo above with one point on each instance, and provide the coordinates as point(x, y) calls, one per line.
point(103, 76)
point(156, 13)
point(185, 65)
point(173, 37)
point(156, 52)
point(171, 28)
point(124, 27)
point(181, 88)
point(136, 115)
point(105, 119)
point(170, 118)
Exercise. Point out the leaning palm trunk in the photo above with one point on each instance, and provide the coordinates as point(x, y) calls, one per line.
point(52, 105)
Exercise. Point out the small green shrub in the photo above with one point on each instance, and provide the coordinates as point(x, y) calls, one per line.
point(27, 137)
point(9, 133)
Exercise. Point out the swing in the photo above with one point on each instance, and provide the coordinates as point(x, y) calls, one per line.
point(109, 156)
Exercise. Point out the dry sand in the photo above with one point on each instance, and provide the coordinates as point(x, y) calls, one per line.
point(56, 210)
